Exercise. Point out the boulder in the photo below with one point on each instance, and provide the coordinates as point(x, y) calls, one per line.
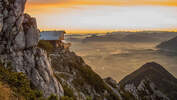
point(20, 41)
point(111, 81)
point(32, 37)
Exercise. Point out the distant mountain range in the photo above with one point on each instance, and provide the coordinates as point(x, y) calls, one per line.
point(132, 37)
point(170, 45)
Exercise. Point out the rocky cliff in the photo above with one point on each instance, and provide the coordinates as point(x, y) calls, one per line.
point(18, 39)
point(79, 81)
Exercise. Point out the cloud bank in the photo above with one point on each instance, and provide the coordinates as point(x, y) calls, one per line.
point(107, 2)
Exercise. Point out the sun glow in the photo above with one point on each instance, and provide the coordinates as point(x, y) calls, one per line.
point(103, 2)
point(90, 16)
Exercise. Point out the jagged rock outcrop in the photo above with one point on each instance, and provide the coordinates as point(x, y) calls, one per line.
point(19, 37)
point(114, 86)
point(151, 82)
point(146, 90)
point(77, 77)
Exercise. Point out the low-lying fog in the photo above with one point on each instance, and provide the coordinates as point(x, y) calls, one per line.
point(119, 58)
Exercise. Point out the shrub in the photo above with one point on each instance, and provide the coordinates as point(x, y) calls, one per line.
point(90, 76)
point(53, 97)
point(66, 98)
point(93, 79)
point(46, 45)
point(89, 98)
point(68, 91)
point(19, 84)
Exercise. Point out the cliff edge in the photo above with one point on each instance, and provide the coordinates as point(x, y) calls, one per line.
point(19, 37)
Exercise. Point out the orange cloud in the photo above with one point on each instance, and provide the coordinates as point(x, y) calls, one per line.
point(38, 6)
point(103, 2)
point(105, 31)
point(41, 8)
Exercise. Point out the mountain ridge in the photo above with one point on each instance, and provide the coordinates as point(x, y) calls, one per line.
point(155, 73)
point(169, 45)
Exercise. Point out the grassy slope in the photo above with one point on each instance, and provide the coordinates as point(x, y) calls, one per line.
point(16, 86)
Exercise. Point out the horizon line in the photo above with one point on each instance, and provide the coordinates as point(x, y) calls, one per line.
point(106, 31)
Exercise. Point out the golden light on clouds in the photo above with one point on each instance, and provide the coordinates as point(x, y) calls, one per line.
point(104, 15)
point(104, 2)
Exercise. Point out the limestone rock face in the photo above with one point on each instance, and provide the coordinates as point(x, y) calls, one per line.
point(32, 33)
point(1, 16)
point(1, 22)
point(20, 41)
point(35, 64)
point(19, 37)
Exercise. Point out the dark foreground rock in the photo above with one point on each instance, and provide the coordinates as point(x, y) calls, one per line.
point(157, 82)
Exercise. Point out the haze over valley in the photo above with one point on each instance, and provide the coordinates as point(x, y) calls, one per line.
point(118, 54)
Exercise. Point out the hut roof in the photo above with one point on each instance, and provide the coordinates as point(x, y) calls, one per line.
point(51, 35)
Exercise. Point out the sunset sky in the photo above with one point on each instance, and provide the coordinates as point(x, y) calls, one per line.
point(84, 16)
